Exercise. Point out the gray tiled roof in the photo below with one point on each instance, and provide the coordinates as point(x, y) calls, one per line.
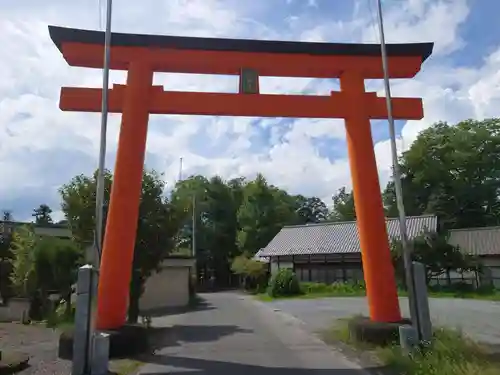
point(333, 238)
point(477, 241)
point(51, 230)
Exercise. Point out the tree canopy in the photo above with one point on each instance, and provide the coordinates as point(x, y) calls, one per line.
point(157, 224)
point(42, 215)
point(453, 171)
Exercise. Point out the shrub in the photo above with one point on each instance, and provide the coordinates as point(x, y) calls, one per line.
point(283, 283)
point(252, 272)
point(63, 314)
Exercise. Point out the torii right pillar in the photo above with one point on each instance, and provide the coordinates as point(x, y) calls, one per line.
point(377, 263)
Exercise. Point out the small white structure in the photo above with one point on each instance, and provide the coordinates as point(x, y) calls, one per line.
point(169, 287)
point(15, 311)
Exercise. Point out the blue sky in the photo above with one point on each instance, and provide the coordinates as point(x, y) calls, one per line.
point(41, 147)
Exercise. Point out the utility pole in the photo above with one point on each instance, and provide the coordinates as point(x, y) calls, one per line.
point(193, 235)
point(99, 214)
point(180, 169)
point(397, 177)
point(193, 241)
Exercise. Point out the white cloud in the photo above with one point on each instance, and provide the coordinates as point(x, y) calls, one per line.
point(42, 147)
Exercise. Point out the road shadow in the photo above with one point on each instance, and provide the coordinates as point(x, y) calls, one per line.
point(195, 366)
point(175, 335)
point(491, 352)
point(197, 303)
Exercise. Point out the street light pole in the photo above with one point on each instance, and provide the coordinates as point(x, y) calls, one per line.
point(98, 237)
point(397, 176)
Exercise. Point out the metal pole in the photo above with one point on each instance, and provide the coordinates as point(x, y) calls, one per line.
point(104, 125)
point(397, 177)
point(180, 169)
point(193, 235)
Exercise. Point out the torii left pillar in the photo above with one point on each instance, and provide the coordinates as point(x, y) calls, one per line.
point(123, 214)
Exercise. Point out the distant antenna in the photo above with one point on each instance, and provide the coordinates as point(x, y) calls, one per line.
point(180, 169)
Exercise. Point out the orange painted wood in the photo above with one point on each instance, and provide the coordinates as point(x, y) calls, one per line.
point(123, 212)
point(338, 105)
point(139, 98)
point(230, 62)
point(378, 269)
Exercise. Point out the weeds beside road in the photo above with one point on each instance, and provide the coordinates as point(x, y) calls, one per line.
point(451, 353)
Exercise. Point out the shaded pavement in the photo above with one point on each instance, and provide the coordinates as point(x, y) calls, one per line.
point(232, 334)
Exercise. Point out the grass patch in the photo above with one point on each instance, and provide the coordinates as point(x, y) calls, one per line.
point(451, 353)
point(310, 290)
point(124, 366)
point(493, 296)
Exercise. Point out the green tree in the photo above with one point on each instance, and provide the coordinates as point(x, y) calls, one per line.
point(5, 282)
point(187, 196)
point(264, 211)
point(5, 255)
point(310, 210)
point(217, 204)
point(42, 215)
point(252, 271)
point(7, 215)
point(453, 172)
point(56, 267)
point(78, 204)
point(220, 225)
point(433, 250)
point(343, 206)
point(23, 260)
point(157, 225)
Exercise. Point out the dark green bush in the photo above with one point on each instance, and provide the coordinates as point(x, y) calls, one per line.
point(283, 283)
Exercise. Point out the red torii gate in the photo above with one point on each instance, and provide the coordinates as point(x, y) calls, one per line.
point(142, 55)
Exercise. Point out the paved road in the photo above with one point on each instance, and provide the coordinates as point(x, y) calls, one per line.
point(235, 335)
point(478, 319)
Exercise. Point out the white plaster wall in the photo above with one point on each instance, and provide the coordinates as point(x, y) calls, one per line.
point(14, 310)
point(167, 288)
point(276, 266)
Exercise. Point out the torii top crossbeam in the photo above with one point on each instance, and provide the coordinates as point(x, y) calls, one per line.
point(175, 54)
point(270, 58)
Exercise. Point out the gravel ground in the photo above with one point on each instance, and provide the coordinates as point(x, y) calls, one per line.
point(39, 343)
point(478, 319)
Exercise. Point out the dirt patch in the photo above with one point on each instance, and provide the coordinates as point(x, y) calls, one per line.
point(37, 341)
